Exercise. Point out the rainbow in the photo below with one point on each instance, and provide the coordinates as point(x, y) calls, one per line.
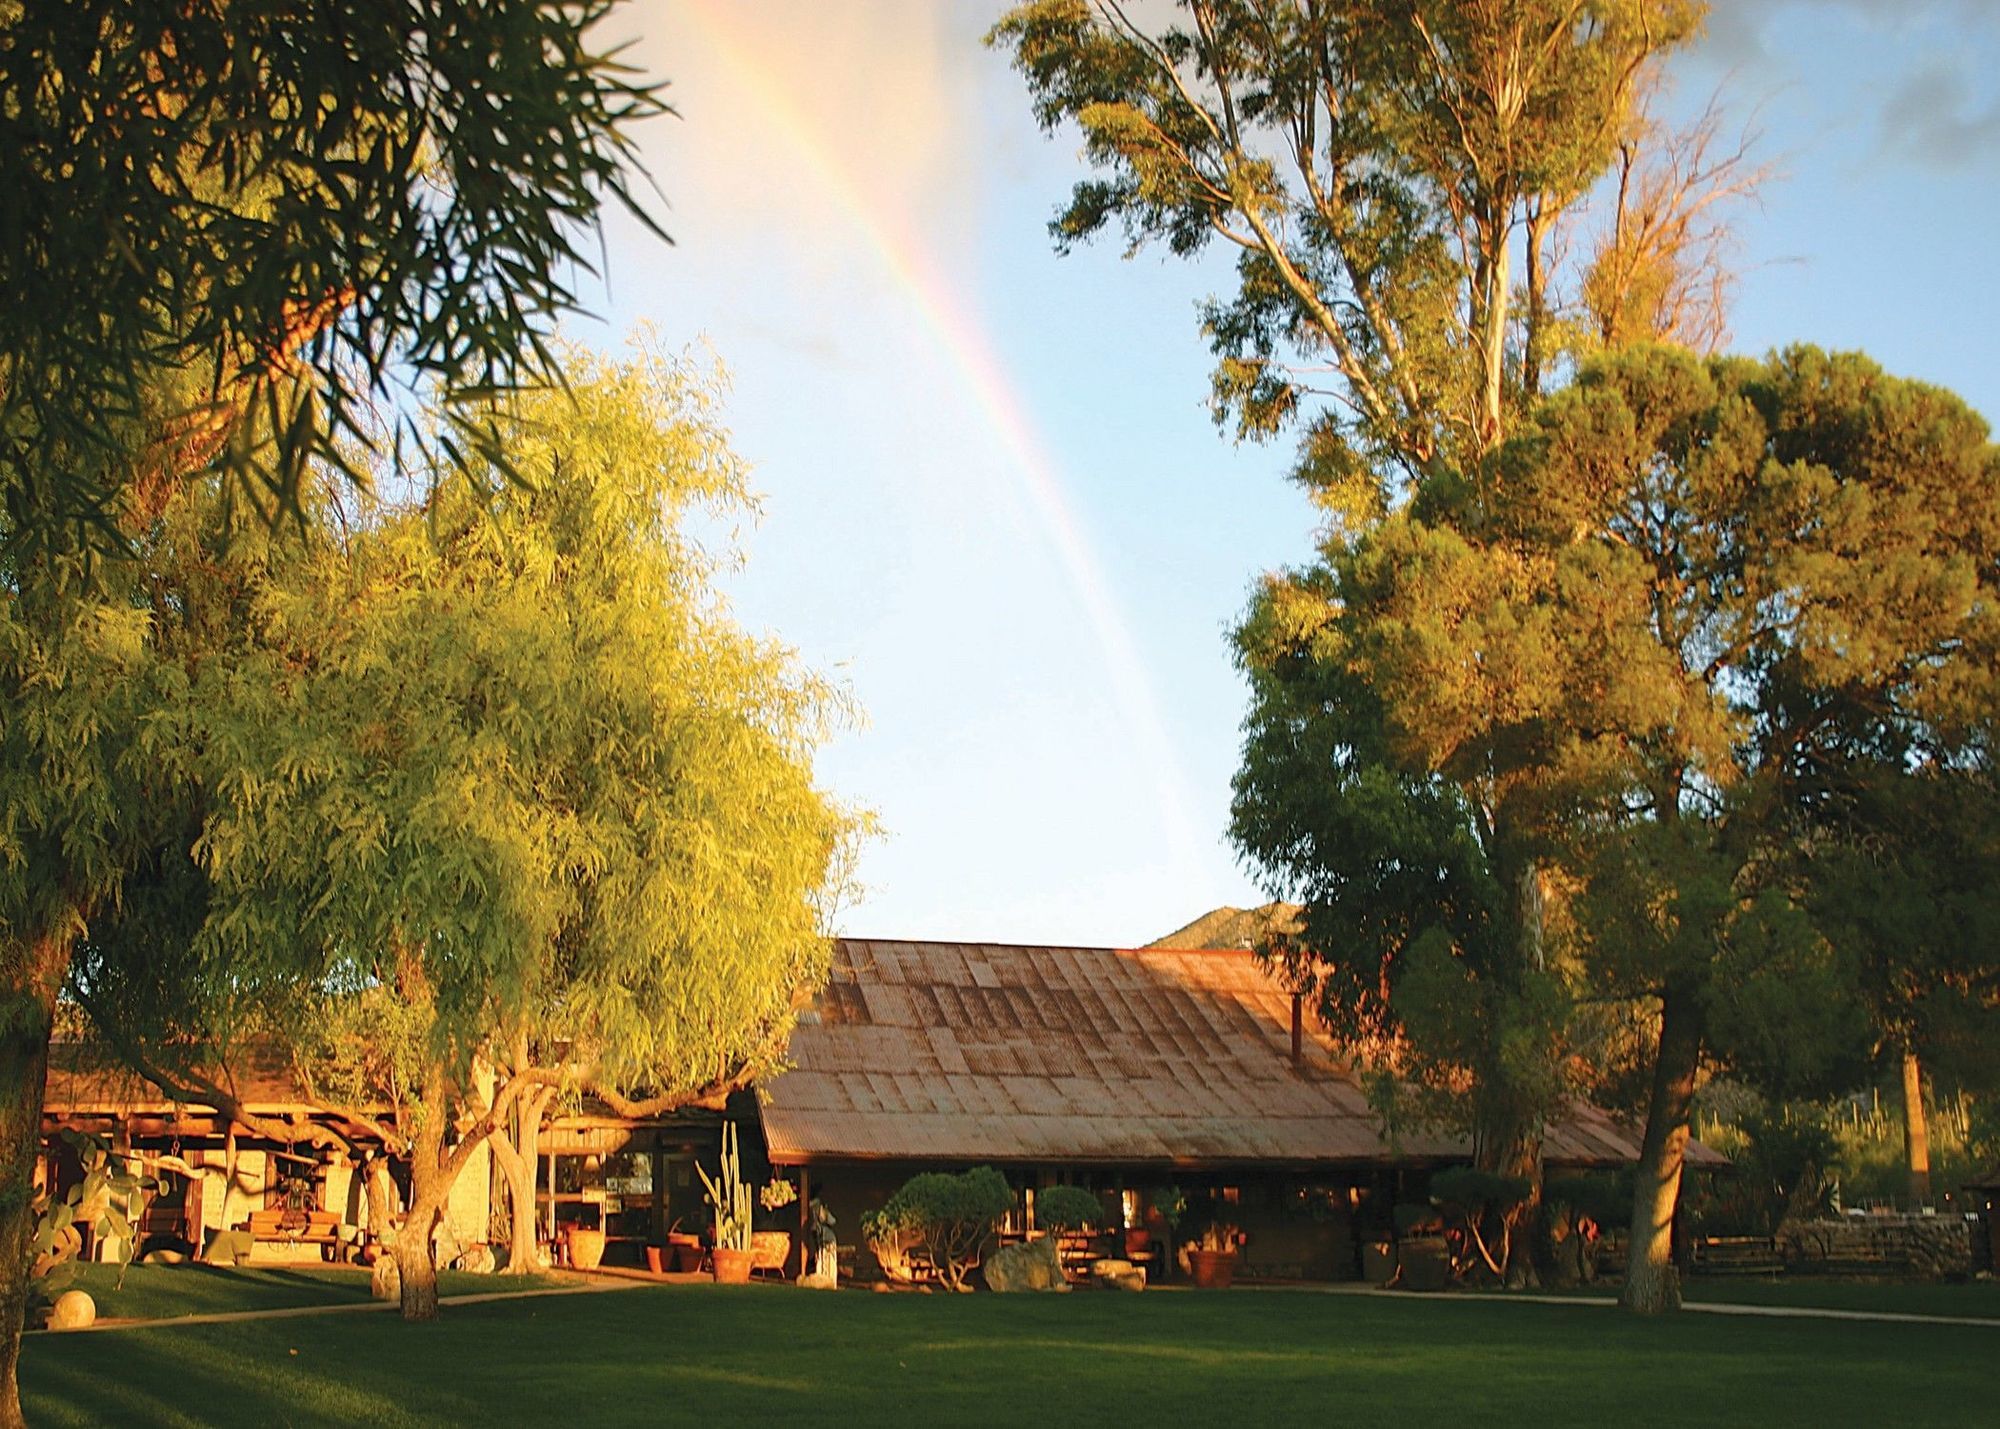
point(962, 341)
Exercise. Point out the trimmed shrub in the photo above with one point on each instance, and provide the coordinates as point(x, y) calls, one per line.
point(1068, 1208)
point(949, 1215)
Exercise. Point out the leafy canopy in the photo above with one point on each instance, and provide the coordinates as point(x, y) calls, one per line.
point(312, 203)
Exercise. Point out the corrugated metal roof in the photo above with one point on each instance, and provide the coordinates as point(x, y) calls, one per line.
point(953, 1052)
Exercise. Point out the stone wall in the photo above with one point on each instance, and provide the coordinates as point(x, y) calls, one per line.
point(1933, 1247)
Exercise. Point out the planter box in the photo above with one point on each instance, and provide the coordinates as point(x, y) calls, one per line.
point(769, 1250)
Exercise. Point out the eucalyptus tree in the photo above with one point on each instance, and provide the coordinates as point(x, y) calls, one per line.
point(1396, 182)
point(493, 798)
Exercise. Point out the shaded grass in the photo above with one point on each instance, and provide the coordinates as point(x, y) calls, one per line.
point(166, 1292)
point(1975, 1299)
point(685, 1354)
point(1980, 1299)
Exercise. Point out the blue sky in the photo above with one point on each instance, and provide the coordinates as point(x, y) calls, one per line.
point(993, 501)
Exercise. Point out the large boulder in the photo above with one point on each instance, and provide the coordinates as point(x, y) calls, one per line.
point(73, 1310)
point(385, 1280)
point(229, 1248)
point(1119, 1274)
point(1030, 1266)
point(478, 1260)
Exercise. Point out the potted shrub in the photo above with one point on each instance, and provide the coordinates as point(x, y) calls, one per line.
point(1165, 1205)
point(1211, 1257)
point(729, 1198)
point(1063, 1209)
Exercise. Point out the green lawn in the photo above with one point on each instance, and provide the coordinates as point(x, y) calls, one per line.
point(1977, 1299)
point(166, 1292)
point(1980, 1298)
point(705, 1354)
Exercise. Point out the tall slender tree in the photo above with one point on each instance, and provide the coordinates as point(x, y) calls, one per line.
point(1396, 182)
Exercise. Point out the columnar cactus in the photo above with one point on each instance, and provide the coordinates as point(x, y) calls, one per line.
point(730, 1197)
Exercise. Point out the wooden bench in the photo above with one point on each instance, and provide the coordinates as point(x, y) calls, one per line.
point(275, 1223)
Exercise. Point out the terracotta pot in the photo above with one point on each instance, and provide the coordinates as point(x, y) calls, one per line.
point(1137, 1240)
point(687, 1255)
point(656, 1256)
point(1212, 1269)
point(586, 1248)
point(732, 1267)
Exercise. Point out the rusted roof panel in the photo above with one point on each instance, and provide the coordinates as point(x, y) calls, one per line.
point(980, 1052)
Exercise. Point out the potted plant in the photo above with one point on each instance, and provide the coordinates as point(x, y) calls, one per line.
point(729, 1198)
point(1212, 1256)
point(1066, 1210)
point(685, 1251)
point(586, 1245)
point(1163, 1217)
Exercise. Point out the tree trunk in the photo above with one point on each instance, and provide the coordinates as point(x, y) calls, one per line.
point(416, 1262)
point(1521, 1156)
point(1652, 1282)
point(1916, 1132)
point(33, 974)
point(381, 1197)
point(519, 1165)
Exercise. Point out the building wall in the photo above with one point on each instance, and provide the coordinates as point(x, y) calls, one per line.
point(1297, 1228)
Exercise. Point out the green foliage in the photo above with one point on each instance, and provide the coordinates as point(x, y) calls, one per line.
point(1068, 1208)
point(1604, 1197)
point(1415, 1218)
point(951, 1215)
point(105, 1201)
point(493, 762)
point(1372, 168)
point(1783, 1162)
point(1470, 1191)
point(325, 204)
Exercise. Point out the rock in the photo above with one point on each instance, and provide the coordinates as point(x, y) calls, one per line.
point(73, 1310)
point(164, 1257)
point(229, 1248)
point(478, 1260)
point(1031, 1266)
point(385, 1281)
point(1119, 1274)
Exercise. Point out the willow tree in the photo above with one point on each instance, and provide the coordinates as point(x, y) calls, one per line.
point(1396, 182)
point(490, 774)
point(1661, 612)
